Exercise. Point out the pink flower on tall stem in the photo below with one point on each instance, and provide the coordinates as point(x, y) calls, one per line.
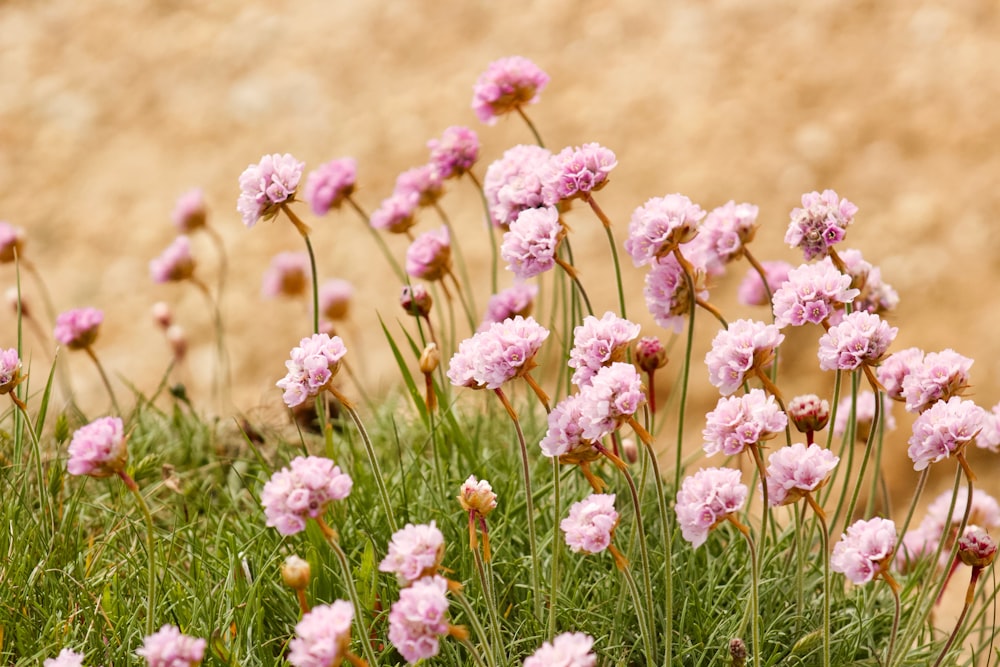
point(661, 225)
point(98, 449)
point(478, 499)
point(11, 240)
point(425, 181)
point(743, 349)
point(989, 437)
point(611, 399)
point(892, 372)
point(938, 377)
point(190, 212)
point(507, 85)
point(591, 523)
point(175, 263)
point(865, 551)
point(77, 329)
point(513, 183)
point(455, 152)
point(417, 620)
point(312, 366)
point(861, 339)
point(945, 429)
point(811, 294)
point(820, 224)
point(668, 295)
point(170, 648)
point(501, 353)
point(429, 256)
point(265, 186)
point(796, 471)
point(397, 213)
point(738, 422)
point(287, 276)
point(323, 636)
point(302, 491)
point(728, 228)
point(415, 551)
point(10, 370)
point(706, 499)
point(530, 245)
point(335, 299)
point(576, 172)
point(570, 649)
point(328, 185)
point(598, 343)
point(518, 299)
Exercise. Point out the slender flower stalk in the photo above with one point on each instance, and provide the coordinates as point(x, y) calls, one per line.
point(150, 548)
point(303, 230)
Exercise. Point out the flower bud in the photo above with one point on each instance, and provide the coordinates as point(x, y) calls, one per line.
point(630, 450)
point(295, 573)
point(477, 496)
point(650, 354)
point(976, 548)
point(11, 242)
point(415, 300)
point(11, 296)
point(809, 413)
point(162, 315)
point(430, 358)
point(178, 341)
point(738, 651)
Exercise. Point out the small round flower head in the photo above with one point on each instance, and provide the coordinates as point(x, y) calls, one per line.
point(599, 342)
point(414, 552)
point(565, 431)
point(738, 422)
point(940, 376)
point(809, 413)
point(570, 649)
point(650, 355)
point(865, 549)
point(302, 491)
point(660, 225)
point(529, 246)
point(178, 341)
point(170, 648)
point(989, 437)
point(10, 370)
point(429, 256)
point(476, 495)
point(864, 414)
point(295, 573)
point(614, 394)
point(739, 349)
point(66, 658)
point(797, 470)
point(77, 329)
point(944, 429)
point(668, 296)
point(821, 223)
point(876, 295)
point(174, 263)
point(518, 299)
point(976, 548)
point(190, 212)
point(328, 185)
point(728, 228)
point(265, 186)
point(455, 152)
point(507, 84)
point(11, 240)
point(335, 299)
point(811, 294)
point(98, 449)
point(162, 314)
point(896, 367)
point(425, 181)
point(575, 172)
point(705, 499)
point(751, 291)
point(313, 364)
point(397, 213)
point(416, 300)
point(503, 352)
point(985, 513)
point(323, 636)
point(514, 183)
point(17, 303)
point(860, 338)
point(591, 523)
point(417, 620)
point(287, 276)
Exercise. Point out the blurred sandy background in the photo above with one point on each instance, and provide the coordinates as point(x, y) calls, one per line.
point(110, 110)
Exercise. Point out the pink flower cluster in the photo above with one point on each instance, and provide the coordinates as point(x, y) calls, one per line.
point(174, 263)
point(429, 256)
point(10, 369)
point(876, 295)
point(565, 430)
point(591, 523)
point(924, 379)
point(570, 649)
point(811, 294)
point(329, 184)
point(11, 239)
point(650, 355)
point(302, 491)
point(614, 394)
point(576, 171)
point(989, 437)
point(417, 620)
point(170, 648)
point(668, 296)
point(944, 429)
point(511, 302)
point(190, 212)
point(503, 352)
point(66, 658)
point(865, 550)
point(425, 182)
point(98, 449)
point(513, 183)
point(506, 85)
point(397, 213)
point(860, 338)
point(751, 291)
point(727, 229)
point(794, 471)
point(288, 275)
point(599, 342)
point(455, 152)
point(809, 413)
point(942, 521)
point(738, 422)
point(323, 636)
point(77, 328)
point(821, 223)
point(415, 551)
point(265, 186)
point(335, 299)
point(529, 246)
point(660, 225)
point(739, 349)
point(313, 364)
point(894, 369)
point(705, 499)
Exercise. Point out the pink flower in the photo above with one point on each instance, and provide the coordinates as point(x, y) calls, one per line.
point(514, 183)
point(668, 296)
point(944, 429)
point(976, 548)
point(570, 649)
point(745, 346)
point(738, 422)
point(77, 328)
point(455, 152)
point(811, 294)
point(599, 342)
point(10, 370)
point(425, 181)
point(302, 491)
point(751, 291)
point(190, 212)
point(861, 338)
point(507, 84)
point(476, 495)
point(705, 499)
point(66, 658)
point(576, 171)
point(429, 256)
point(988, 438)
point(416, 300)
point(591, 523)
point(794, 471)
point(529, 247)
point(265, 186)
point(728, 228)
point(329, 184)
point(614, 394)
point(820, 223)
point(503, 352)
point(942, 519)
point(323, 636)
point(335, 299)
point(397, 213)
point(175, 263)
point(288, 275)
point(516, 300)
point(896, 367)
point(809, 413)
point(660, 225)
point(417, 620)
point(169, 648)
point(11, 239)
point(565, 432)
point(865, 550)
point(650, 355)
point(876, 295)
point(312, 365)
point(98, 449)
point(414, 552)
point(940, 376)
point(864, 414)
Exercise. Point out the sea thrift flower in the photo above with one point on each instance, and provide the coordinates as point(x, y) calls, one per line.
point(514, 183)
point(98, 449)
point(311, 368)
point(728, 228)
point(265, 186)
point(876, 295)
point(575, 172)
point(77, 328)
point(429, 256)
point(329, 184)
point(738, 422)
point(170, 648)
point(477, 496)
point(302, 491)
point(650, 354)
point(896, 367)
point(503, 352)
point(599, 342)
point(989, 437)
point(66, 658)
point(751, 291)
point(660, 225)
point(809, 413)
point(529, 247)
point(864, 414)
point(425, 181)
point(11, 239)
point(821, 223)
point(977, 549)
point(940, 376)
point(511, 302)
point(416, 300)
point(295, 572)
point(861, 338)
point(288, 275)
point(668, 296)
point(744, 347)
point(794, 471)
point(591, 523)
point(397, 213)
point(944, 429)
point(323, 636)
point(565, 431)
point(612, 398)
point(705, 499)
point(506, 85)
point(570, 649)
point(10, 370)
point(865, 550)
point(335, 299)
point(174, 263)
point(943, 519)
point(455, 152)
point(414, 552)
point(190, 213)
point(811, 294)
point(417, 619)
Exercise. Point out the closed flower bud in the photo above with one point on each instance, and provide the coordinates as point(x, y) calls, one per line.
point(295, 573)
point(430, 358)
point(976, 548)
point(738, 651)
point(630, 450)
point(809, 413)
point(162, 315)
point(416, 300)
point(178, 341)
point(650, 354)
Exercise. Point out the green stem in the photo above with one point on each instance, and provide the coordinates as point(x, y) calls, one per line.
point(463, 267)
point(824, 533)
point(869, 445)
point(668, 587)
point(614, 250)
point(556, 548)
point(36, 445)
point(969, 593)
point(685, 374)
point(477, 627)
point(644, 624)
point(758, 649)
point(104, 378)
point(359, 618)
point(397, 269)
point(531, 126)
point(494, 254)
point(150, 549)
point(491, 604)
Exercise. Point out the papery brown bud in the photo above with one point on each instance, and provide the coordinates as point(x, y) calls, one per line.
point(738, 652)
point(295, 573)
point(630, 450)
point(430, 358)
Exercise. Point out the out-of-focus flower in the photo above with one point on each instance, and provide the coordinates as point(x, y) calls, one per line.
point(575, 172)
point(518, 299)
point(328, 185)
point(751, 291)
point(705, 499)
point(66, 658)
point(295, 572)
point(598, 343)
point(896, 367)
point(794, 471)
point(811, 294)
point(417, 620)
point(429, 256)
point(738, 422)
point(288, 275)
point(190, 212)
point(455, 152)
point(650, 354)
point(476, 495)
point(98, 449)
point(506, 85)
point(864, 414)
point(11, 240)
point(397, 213)
point(425, 181)
point(944, 429)
point(302, 491)
point(860, 338)
point(745, 346)
point(570, 649)
point(77, 329)
point(265, 186)
point(170, 648)
point(415, 551)
point(335, 299)
point(416, 300)
point(876, 295)
point(313, 364)
point(162, 314)
point(514, 183)
point(820, 224)
point(660, 225)
point(591, 523)
point(175, 263)
point(865, 550)
point(323, 636)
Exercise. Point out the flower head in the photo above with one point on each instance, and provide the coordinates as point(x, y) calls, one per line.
point(312, 365)
point(896, 367)
point(77, 329)
point(738, 422)
point(417, 620)
point(397, 213)
point(565, 431)
point(507, 84)
point(944, 429)
point(302, 491)
point(599, 342)
point(976, 548)
point(476, 495)
point(414, 552)
point(876, 295)
point(335, 299)
point(425, 181)
point(98, 449)
point(591, 523)
point(751, 291)
point(170, 648)
point(809, 413)
point(11, 240)
point(518, 299)
point(529, 246)
point(668, 296)
point(650, 355)
point(190, 212)
point(705, 499)
point(174, 263)
point(570, 649)
point(943, 519)
point(455, 152)
point(939, 376)
point(860, 338)
point(864, 415)
point(10, 370)
point(514, 183)
point(811, 294)
point(429, 256)
point(323, 636)
point(503, 352)
point(296, 572)
point(66, 658)
point(745, 346)
point(288, 275)
point(728, 228)
point(989, 437)
point(660, 225)
point(574, 172)
point(416, 300)
point(614, 394)
point(820, 223)
point(265, 186)
point(329, 184)
point(865, 550)
point(797, 470)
